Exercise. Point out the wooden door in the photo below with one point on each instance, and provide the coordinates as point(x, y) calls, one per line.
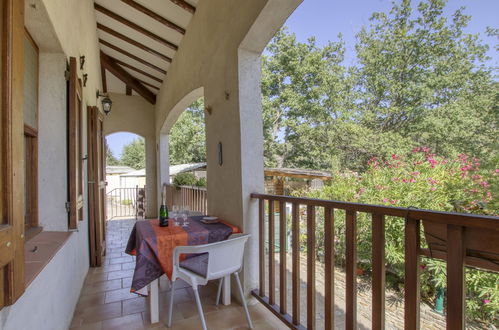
point(11, 151)
point(96, 187)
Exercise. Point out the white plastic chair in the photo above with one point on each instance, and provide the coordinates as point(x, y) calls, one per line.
point(216, 260)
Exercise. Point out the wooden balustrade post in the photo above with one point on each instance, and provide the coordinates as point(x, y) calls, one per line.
point(329, 267)
point(378, 272)
point(283, 289)
point(311, 320)
point(295, 213)
point(271, 253)
point(261, 244)
point(351, 270)
point(412, 295)
point(455, 278)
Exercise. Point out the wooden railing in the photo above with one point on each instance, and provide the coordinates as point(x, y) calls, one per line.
point(452, 247)
point(193, 197)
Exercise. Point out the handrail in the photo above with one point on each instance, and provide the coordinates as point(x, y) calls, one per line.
point(194, 197)
point(462, 219)
point(189, 187)
point(459, 239)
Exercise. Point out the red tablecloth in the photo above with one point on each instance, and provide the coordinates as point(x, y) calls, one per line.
point(153, 245)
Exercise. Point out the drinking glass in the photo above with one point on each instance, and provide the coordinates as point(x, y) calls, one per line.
point(185, 215)
point(176, 215)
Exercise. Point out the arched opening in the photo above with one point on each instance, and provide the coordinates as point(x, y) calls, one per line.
point(126, 175)
point(185, 142)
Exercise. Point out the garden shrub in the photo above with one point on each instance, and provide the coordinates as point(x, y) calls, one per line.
point(184, 179)
point(421, 180)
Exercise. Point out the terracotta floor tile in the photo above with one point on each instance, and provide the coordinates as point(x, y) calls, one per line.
point(107, 268)
point(129, 322)
point(90, 326)
point(121, 260)
point(128, 265)
point(102, 287)
point(119, 274)
point(135, 305)
point(90, 300)
point(101, 312)
point(126, 282)
point(118, 295)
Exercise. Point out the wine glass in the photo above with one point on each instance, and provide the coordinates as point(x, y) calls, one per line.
point(185, 215)
point(175, 215)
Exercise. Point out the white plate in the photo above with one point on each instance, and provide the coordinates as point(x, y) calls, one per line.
point(210, 218)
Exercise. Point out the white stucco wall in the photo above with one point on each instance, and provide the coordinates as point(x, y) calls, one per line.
point(61, 28)
point(135, 115)
point(49, 301)
point(219, 56)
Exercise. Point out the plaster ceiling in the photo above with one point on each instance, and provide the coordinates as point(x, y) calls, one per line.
point(144, 55)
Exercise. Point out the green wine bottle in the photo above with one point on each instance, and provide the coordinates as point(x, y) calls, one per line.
point(163, 216)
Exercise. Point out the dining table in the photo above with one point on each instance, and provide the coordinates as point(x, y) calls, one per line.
point(153, 246)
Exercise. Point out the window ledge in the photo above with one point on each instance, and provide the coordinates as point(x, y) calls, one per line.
point(39, 250)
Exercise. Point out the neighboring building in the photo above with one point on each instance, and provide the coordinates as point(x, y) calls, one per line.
point(282, 181)
point(136, 178)
point(198, 169)
point(113, 174)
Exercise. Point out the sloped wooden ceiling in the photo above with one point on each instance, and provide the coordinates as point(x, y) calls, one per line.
point(138, 40)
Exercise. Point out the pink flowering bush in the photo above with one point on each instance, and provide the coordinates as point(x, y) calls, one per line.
point(423, 180)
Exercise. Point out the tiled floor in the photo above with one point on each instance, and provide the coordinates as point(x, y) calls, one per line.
point(106, 301)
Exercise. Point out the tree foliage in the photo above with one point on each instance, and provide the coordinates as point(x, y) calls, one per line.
point(187, 136)
point(419, 80)
point(134, 155)
point(111, 160)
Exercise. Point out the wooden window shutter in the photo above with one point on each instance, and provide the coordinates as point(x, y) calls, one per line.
point(75, 146)
point(11, 152)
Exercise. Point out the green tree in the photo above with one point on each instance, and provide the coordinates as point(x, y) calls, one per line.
point(307, 93)
point(187, 136)
point(134, 155)
point(420, 81)
point(423, 81)
point(111, 160)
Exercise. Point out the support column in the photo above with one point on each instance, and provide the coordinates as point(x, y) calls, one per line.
point(163, 156)
point(151, 178)
point(252, 178)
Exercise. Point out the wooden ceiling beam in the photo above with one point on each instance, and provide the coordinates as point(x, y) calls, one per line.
point(132, 42)
point(136, 58)
point(104, 81)
point(185, 5)
point(148, 84)
point(109, 64)
point(134, 26)
point(131, 67)
point(153, 15)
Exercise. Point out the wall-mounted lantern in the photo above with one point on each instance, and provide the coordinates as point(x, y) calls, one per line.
point(106, 102)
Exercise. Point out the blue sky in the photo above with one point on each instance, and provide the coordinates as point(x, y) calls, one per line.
point(324, 19)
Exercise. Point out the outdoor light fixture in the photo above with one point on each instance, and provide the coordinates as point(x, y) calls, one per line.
point(106, 102)
point(85, 78)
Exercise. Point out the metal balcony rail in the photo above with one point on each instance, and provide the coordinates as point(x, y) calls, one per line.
point(125, 202)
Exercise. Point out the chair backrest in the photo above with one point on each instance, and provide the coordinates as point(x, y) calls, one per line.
point(225, 257)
